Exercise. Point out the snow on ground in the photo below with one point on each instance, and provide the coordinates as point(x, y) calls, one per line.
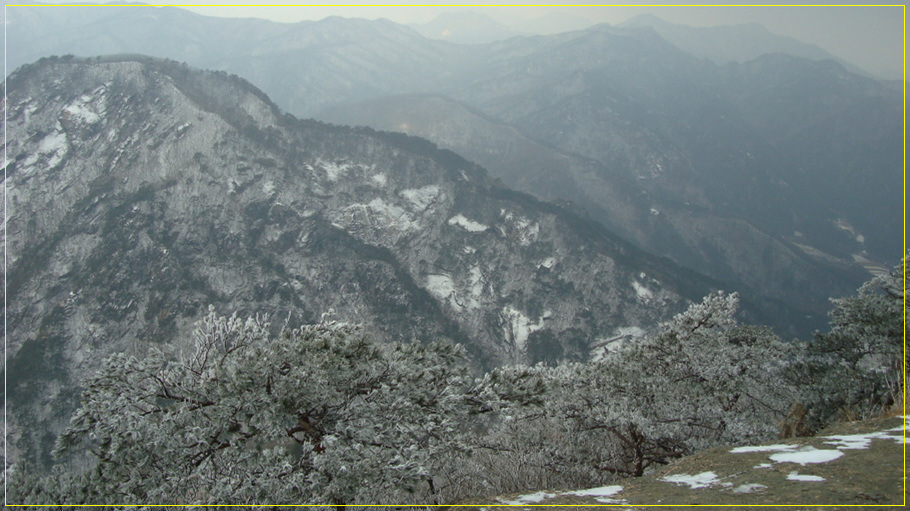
point(642, 292)
point(380, 179)
point(601, 494)
point(764, 448)
point(520, 228)
point(468, 225)
point(421, 198)
point(796, 476)
point(82, 113)
point(518, 327)
point(859, 441)
point(268, 187)
point(794, 453)
point(334, 170)
point(53, 147)
point(702, 480)
point(374, 217)
point(532, 498)
point(547, 263)
point(749, 488)
point(441, 286)
point(779, 453)
point(807, 455)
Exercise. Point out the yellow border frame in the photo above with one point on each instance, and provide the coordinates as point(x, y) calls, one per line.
point(443, 5)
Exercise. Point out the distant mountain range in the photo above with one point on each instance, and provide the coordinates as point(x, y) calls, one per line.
point(780, 176)
point(733, 43)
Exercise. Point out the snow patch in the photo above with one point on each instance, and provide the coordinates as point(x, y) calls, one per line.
point(334, 170)
point(857, 441)
point(81, 112)
point(519, 228)
point(468, 225)
point(392, 216)
point(380, 179)
point(643, 292)
point(268, 187)
point(600, 494)
point(749, 488)
point(53, 147)
point(377, 219)
point(807, 455)
point(517, 327)
point(547, 263)
point(796, 476)
point(421, 198)
point(441, 286)
point(703, 480)
point(531, 498)
point(764, 448)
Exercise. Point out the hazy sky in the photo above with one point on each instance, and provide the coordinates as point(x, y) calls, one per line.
point(871, 37)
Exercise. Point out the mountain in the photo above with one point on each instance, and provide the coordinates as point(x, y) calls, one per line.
point(682, 156)
point(752, 179)
point(140, 191)
point(732, 43)
point(464, 28)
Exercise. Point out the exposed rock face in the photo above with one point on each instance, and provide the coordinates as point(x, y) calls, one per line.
point(140, 191)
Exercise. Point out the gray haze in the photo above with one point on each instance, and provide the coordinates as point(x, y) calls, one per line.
point(869, 37)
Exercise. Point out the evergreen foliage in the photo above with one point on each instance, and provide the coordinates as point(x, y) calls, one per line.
point(323, 415)
point(317, 415)
point(857, 368)
point(703, 380)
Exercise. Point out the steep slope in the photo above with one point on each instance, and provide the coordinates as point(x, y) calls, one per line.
point(140, 191)
point(787, 288)
point(761, 177)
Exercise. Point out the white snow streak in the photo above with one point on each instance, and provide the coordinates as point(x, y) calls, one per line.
point(807, 455)
point(764, 448)
point(532, 498)
point(795, 476)
point(703, 480)
point(518, 327)
point(440, 286)
point(599, 494)
point(749, 488)
point(82, 113)
point(421, 198)
point(468, 225)
point(642, 292)
point(547, 263)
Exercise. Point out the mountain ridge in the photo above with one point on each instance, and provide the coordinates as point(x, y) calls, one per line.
point(140, 191)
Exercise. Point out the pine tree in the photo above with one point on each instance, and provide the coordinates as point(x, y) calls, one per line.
point(316, 415)
point(857, 368)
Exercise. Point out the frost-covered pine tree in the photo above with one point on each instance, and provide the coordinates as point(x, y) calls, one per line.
point(701, 380)
point(857, 367)
point(317, 415)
